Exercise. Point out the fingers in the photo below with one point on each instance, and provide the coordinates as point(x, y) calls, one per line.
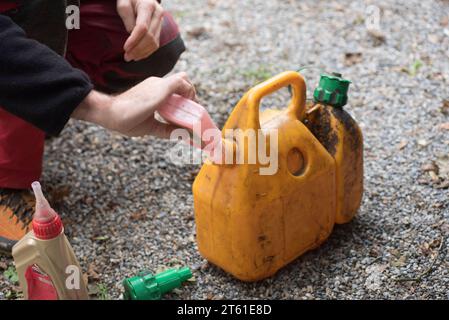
point(129, 112)
point(179, 83)
point(153, 127)
point(125, 10)
point(156, 21)
point(144, 38)
point(146, 46)
point(144, 12)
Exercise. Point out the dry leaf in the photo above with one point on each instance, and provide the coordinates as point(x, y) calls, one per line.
point(428, 247)
point(402, 144)
point(442, 163)
point(58, 194)
point(352, 58)
point(377, 35)
point(430, 166)
point(445, 107)
point(435, 243)
point(400, 262)
point(444, 126)
point(443, 185)
point(85, 278)
point(92, 272)
point(434, 176)
point(395, 252)
point(139, 215)
point(425, 248)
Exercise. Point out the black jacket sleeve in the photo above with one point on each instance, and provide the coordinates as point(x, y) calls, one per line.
point(36, 84)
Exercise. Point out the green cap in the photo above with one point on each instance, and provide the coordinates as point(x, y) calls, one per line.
point(146, 286)
point(332, 90)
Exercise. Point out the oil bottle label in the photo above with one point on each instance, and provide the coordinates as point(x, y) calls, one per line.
point(40, 285)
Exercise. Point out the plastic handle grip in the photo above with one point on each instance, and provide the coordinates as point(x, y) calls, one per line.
point(297, 103)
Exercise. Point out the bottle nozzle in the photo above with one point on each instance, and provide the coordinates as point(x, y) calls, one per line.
point(41, 202)
point(46, 222)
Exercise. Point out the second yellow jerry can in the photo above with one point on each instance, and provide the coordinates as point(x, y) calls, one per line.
point(339, 133)
point(251, 221)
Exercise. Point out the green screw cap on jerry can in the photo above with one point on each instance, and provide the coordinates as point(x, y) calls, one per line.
point(146, 286)
point(332, 90)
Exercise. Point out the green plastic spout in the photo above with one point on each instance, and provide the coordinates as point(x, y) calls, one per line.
point(146, 286)
point(332, 90)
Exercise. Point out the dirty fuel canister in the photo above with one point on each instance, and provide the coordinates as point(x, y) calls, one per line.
point(250, 223)
point(340, 134)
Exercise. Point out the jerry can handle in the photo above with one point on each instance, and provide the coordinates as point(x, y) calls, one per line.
point(289, 78)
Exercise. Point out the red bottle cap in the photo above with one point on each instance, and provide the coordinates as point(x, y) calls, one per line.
point(49, 230)
point(46, 222)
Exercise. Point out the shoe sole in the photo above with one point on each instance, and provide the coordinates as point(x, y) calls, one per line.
point(6, 246)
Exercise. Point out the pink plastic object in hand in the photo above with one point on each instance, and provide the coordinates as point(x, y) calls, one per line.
point(189, 115)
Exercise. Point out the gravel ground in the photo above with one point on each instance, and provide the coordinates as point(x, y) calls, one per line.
point(127, 207)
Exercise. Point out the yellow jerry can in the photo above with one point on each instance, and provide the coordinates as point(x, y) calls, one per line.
point(252, 222)
point(341, 136)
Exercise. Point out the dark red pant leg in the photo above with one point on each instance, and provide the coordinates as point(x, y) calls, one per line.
point(21, 145)
point(21, 150)
point(97, 48)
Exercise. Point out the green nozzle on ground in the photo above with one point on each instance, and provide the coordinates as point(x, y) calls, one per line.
point(146, 286)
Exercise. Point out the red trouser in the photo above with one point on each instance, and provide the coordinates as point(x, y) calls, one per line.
point(97, 49)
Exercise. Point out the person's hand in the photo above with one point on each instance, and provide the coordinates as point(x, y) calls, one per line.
point(143, 20)
point(132, 112)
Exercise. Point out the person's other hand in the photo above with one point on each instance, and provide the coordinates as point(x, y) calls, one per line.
point(132, 112)
point(143, 20)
